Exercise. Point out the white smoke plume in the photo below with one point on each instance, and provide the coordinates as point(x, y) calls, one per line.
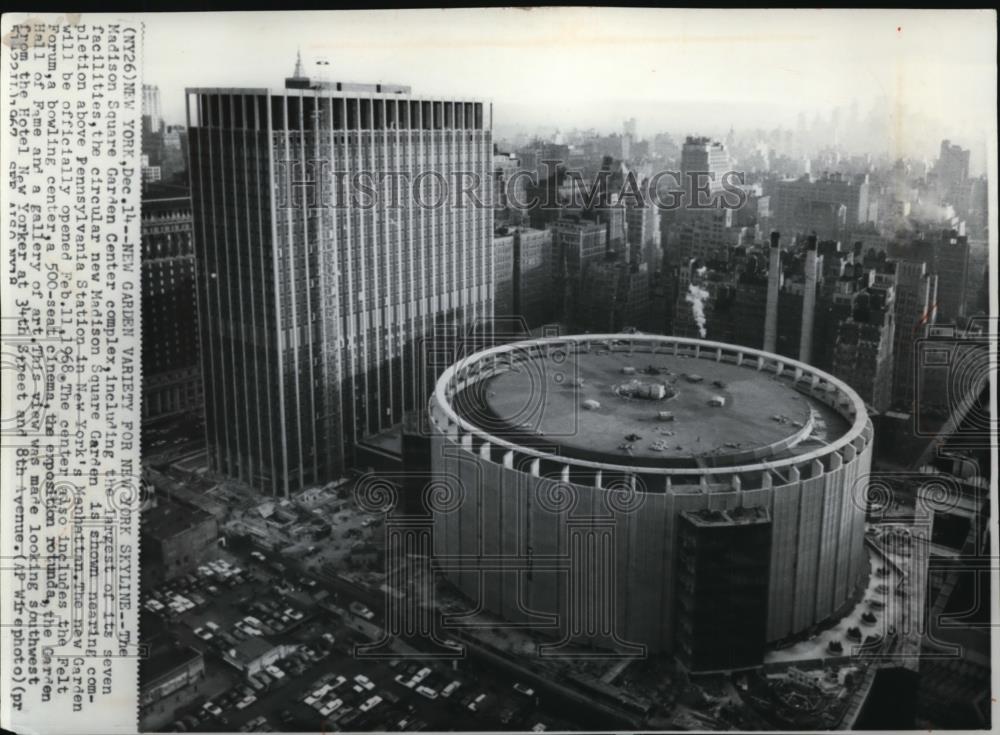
point(696, 296)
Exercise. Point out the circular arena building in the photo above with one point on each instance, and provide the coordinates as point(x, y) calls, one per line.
point(650, 494)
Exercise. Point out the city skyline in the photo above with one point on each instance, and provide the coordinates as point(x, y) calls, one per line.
point(423, 387)
point(595, 67)
point(521, 370)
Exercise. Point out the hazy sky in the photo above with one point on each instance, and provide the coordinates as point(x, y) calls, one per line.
point(593, 67)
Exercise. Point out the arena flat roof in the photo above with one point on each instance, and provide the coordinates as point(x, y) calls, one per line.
point(581, 405)
point(460, 408)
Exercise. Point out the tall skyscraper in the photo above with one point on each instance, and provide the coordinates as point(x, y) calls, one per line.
point(703, 233)
point(629, 128)
point(830, 205)
point(643, 231)
point(916, 290)
point(524, 283)
point(151, 108)
point(947, 255)
point(315, 304)
point(862, 348)
point(951, 264)
point(152, 134)
point(577, 241)
point(703, 163)
point(171, 371)
point(612, 295)
point(952, 166)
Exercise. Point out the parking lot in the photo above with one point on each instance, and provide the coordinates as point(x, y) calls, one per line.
point(317, 683)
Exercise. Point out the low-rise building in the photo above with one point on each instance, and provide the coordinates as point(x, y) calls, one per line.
point(169, 679)
point(176, 538)
point(254, 655)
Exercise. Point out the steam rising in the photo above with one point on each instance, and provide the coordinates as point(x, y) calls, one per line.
point(696, 296)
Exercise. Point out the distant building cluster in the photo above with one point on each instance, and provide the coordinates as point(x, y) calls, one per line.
point(603, 251)
point(164, 147)
point(300, 336)
point(171, 367)
point(852, 312)
point(687, 484)
point(830, 206)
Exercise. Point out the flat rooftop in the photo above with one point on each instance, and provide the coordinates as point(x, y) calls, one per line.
point(588, 406)
point(165, 661)
point(340, 86)
point(168, 519)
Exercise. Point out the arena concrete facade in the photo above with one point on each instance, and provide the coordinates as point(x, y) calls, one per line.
point(539, 532)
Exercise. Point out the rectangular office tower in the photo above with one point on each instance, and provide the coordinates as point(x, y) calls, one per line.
point(333, 248)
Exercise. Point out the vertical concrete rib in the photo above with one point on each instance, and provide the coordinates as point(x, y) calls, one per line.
point(773, 285)
point(279, 339)
point(243, 390)
point(265, 247)
point(808, 303)
point(309, 248)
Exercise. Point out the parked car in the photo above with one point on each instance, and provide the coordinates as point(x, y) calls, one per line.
point(361, 611)
point(331, 707)
point(212, 708)
point(522, 689)
point(421, 675)
point(246, 701)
